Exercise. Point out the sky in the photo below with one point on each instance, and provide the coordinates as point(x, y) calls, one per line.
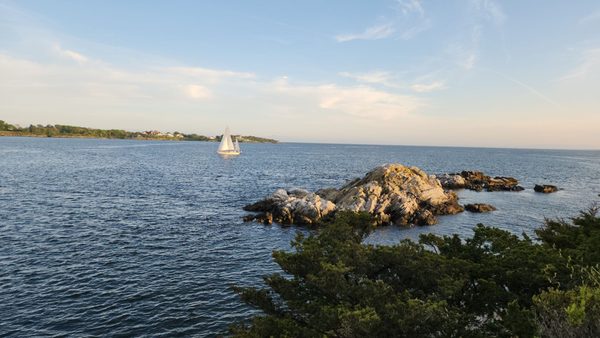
point(481, 73)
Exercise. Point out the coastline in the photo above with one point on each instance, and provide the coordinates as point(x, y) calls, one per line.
point(242, 139)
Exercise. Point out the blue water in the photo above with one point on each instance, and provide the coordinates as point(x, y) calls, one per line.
point(115, 237)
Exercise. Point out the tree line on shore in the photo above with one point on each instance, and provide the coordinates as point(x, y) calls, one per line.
point(57, 130)
point(492, 284)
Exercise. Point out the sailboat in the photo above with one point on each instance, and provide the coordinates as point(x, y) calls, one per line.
point(227, 147)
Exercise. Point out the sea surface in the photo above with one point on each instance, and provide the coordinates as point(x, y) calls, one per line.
point(144, 238)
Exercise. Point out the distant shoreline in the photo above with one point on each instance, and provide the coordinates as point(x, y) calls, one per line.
point(65, 131)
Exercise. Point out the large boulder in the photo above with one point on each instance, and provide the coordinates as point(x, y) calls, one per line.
point(391, 193)
point(478, 181)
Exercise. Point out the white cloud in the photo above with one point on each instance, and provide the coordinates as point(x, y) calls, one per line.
point(366, 102)
point(372, 33)
point(197, 92)
point(70, 54)
point(73, 88)
point(358, 101)
point(428, 87)
point(75, 56)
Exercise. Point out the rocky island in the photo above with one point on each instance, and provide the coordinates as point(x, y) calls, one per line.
point(392, 194)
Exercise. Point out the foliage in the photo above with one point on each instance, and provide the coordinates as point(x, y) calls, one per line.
point(73, 131)
point(579, 240)
point(491, 284)
point(6, 127)
point(573, 312)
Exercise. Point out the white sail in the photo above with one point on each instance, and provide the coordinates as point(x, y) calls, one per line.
point(226, 146)
point(237, 146)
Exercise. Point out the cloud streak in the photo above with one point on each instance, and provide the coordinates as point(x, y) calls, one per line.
point(527, 87)
point(428, 87)
point(372, 33)
point(589, 64)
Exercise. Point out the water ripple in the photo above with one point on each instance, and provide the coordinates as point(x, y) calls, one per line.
point(136, 238)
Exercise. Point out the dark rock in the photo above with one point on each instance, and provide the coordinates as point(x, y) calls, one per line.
point(265, 218)
point(479, 207)
point(328, 193)
point(478, 181)
point(546, 188)
point(424, 217)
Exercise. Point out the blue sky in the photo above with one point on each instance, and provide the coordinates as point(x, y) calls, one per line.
point(466, 73)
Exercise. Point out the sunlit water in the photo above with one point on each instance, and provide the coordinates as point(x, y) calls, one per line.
point(145, 238)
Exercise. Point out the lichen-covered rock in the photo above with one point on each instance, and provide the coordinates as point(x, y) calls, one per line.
point(294, 206)
point(479, 207)
point(392, 194)
point(395, 193)
point(478, 181)
point(452, 181)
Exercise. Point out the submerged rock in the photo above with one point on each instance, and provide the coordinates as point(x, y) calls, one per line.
point(479, 207)
point(392, 194)
point(478, 181)
point(546, 188)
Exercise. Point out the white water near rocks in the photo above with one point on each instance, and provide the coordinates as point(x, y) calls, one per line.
point(113, 237)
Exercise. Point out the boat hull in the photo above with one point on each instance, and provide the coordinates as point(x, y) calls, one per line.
point(232, 153)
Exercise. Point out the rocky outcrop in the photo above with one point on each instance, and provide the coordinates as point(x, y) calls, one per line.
point(479, 207)
point(546, 188)
point(392, 194)
point(286, 207)
point(478, 181)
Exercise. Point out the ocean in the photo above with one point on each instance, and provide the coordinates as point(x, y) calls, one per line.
point(145, 238)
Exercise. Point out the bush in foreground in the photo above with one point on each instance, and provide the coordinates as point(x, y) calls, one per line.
point(491, 284)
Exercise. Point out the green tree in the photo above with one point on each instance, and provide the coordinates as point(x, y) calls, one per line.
point(491, 284)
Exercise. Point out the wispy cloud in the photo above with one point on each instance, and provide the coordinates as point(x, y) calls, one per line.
point(72, 55)
point(527, 87)
point(411, 6)
point(423, 84)
point(210, 75)
point(366, 102)
point(489, 10)
point(466, 51)
point(589, 64)
point(594, 16)
point(372, 33)
point(374, 77)
point(428, 87)
point(408, 21)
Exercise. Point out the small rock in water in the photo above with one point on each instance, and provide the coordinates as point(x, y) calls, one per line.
point(478, 181)
point(479, 207)
point(545, 188)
